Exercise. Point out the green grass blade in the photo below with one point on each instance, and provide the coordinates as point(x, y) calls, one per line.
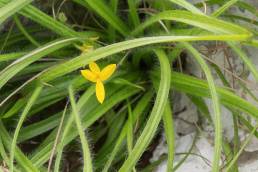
point(197, 87)
point(155, 116)
point(57, 139)
point(215, 105)
point(45, 20)
point(129, 128)
point(142, 104)
point(113, 130)
point(187, 154)
point(31, 57)
point(31, 101)
point(11, 8)
point(205, 22)
point(87, 164)
point(11, 56)
point(245, 59)
point(130, 132)
point(248, 7)
point(38, 128)
point(202, 107)
point(106, 13)
point(170, 136)
point(3, 153)
point(242, 149)
point(223, 8)
point(103, 52)
point(23, 161)
point(133, 12)
point(168, 122)
point(187, 5)
point(85, 97)
point(244, 19)
point(23, 30)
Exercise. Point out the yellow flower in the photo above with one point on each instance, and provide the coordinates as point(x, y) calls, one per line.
point(94, 74)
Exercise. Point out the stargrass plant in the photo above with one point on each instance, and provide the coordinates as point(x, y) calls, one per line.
point(87, 85)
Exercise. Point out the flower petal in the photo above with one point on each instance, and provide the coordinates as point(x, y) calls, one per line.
point(100, 91)
point(107, 72)
point(89, 75)
point(94, 67)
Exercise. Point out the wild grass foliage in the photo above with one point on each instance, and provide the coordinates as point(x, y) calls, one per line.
point(50, 116)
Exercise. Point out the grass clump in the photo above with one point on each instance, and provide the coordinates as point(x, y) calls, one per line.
point(53, 119)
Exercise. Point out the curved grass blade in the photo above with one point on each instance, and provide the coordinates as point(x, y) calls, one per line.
point(168, 122)
point(23, 30)
point(244, 19)
point(155, 116)
point(140, 107)
point(223, 8)
point(245, 59)
point(205, 22)
point(198, 87)
point(3, 154)
point(31, 101)
point(113, 130)
point(106, 13)
point(170, 136)
point(226, 147)
point(248, 7)
point(202, 107)
point(11, 8)
point(187, 5)
point(195, 10)
point(130, 132)
point(85, 97)
point(38, 128)
point(23, 161)
point(87, 164)
point(60, 127)
point(187, 154)
point(99, 53)
point(133, 12)
point(31, 57)
point(215, 105)
point(11, 56)
point(233, 161)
